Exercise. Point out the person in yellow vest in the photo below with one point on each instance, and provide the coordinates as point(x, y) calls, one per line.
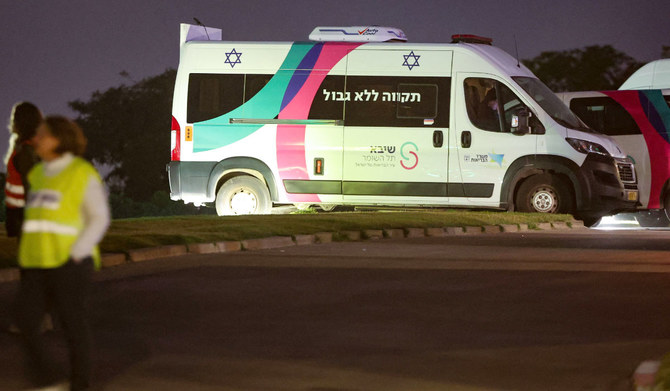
point(66, 216)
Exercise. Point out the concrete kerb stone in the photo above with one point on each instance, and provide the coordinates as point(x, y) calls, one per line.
point(491, 229)
point(266, 243)
point(415, 232)
point(351, 235)
point(323, 237)
point(435, 232)
point(577, 224)
point(472, 229)
point(145, 254)
point(202, 248)
point(544, 226)
point(560, 225)
point(113, 259)
point(454, 230)
point(302, 240)
point(523, 227)
point(228, 246)
point(509, 227)
point(394, 233)
point(373, 234)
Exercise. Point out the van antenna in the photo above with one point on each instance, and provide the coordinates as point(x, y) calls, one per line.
point(203, 26)
point(516, 48)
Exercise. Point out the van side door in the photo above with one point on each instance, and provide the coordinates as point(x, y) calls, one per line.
point(486, 145)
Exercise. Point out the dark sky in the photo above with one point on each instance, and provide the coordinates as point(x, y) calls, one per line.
point(56, 51)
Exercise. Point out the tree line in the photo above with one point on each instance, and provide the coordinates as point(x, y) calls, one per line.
point(128, 126)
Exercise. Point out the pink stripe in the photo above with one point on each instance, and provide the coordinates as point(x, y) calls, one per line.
point(658, 148)
point(291, 138)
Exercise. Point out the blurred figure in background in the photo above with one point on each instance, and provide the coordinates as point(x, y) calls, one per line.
point(66, 216)
point(20, 158)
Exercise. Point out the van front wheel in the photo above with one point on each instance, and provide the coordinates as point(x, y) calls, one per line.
point(544, 193)
point(243, 195)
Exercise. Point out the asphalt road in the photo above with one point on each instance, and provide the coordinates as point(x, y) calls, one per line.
point(572, 310)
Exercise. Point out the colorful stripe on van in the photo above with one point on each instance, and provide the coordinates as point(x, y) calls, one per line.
point(288, 95)
point(652, 115)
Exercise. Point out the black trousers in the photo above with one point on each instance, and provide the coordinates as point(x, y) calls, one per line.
point(67, 289)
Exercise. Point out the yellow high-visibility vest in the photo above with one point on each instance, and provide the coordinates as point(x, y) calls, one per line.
point(53, 218)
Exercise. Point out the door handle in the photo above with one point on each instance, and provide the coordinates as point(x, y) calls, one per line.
point(438, 138)
point(466, 139)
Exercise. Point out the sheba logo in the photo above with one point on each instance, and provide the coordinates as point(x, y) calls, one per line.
point(410, 158)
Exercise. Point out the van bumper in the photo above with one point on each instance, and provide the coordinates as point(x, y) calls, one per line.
point(609, 186)
point(189, 180)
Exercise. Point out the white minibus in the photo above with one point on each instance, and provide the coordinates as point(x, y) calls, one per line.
point(359, 116)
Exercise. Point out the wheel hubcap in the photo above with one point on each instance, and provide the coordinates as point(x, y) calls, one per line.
point(243, 202)
point(544, 200)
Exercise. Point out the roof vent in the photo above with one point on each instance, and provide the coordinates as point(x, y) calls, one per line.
point(358, 34)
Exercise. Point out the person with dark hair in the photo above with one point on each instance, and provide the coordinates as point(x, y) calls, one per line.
point(66, 216)
point(21, 157)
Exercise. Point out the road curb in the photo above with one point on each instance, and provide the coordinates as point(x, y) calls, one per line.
point(303, 240)
point(113, 259)
point(146, 254)
point(151, 253)
point(267, 243)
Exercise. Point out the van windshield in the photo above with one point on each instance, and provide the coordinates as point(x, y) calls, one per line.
point(551, 103)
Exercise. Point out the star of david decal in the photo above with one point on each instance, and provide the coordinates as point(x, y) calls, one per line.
point(237, 58)
point(414, 63)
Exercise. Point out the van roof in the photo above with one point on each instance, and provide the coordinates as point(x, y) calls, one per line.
point(653, 75)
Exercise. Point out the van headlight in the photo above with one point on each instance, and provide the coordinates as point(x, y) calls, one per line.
point(584, 146)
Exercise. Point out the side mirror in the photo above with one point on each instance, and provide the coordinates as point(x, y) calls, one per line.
point(520, 122)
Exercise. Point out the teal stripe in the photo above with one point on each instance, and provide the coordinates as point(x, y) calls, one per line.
point(218, 132)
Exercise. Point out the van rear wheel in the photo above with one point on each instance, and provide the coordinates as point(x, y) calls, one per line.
point(243, 195)
point(544, 193)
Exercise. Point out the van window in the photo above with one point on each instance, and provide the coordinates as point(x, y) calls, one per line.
point(396, 101)
point(212, 95)
point(491, 104)
point(253, 84)
point(327, 103)
point(605, 115)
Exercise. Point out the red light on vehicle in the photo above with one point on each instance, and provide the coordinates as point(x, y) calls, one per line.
point(469, 38)
point(175, 142)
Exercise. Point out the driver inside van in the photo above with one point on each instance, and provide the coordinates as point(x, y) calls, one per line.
point(487, 114)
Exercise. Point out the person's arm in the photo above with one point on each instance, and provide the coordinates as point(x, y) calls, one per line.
point(95, 211)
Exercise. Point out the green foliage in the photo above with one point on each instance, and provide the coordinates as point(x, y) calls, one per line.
point(160, 204)
point(128, 129)
point(587, 69)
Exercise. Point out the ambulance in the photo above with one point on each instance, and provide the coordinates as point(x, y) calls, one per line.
point(639, 121)
point(359, 116)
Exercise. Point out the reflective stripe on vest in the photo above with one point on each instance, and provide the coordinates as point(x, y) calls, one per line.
point(53, 216)
point(46, 226)
point(14, 202)
point(14, 190)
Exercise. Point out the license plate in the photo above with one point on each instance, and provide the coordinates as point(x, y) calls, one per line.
point(631, 195)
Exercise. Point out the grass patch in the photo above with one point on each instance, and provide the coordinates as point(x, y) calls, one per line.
point(127, 234)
